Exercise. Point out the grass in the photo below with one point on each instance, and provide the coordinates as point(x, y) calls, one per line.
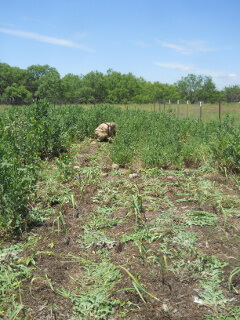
point(192, 111)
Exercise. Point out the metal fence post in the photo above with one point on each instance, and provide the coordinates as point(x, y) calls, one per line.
point(219, 109)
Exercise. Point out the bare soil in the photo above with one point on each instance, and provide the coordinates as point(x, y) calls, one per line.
point(175, 291)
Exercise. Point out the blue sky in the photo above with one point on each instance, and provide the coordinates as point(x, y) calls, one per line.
point(154, 39)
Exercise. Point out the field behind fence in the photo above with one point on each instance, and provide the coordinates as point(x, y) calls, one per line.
point(205, 112)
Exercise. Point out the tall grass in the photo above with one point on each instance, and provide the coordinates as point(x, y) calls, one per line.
point(40, 131)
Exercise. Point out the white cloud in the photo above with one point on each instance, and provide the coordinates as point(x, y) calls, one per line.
point(176, 47)
point(46, 39)
point(232, 75)
point(192, 69)
point(221, 78)
point(187, 47)
point(176, 66)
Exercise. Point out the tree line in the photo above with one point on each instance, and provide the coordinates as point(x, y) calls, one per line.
point(23, 86)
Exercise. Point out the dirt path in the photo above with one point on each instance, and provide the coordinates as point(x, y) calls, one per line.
point(137, 227)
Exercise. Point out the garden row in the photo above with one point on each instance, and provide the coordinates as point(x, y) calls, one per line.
point(151, 139)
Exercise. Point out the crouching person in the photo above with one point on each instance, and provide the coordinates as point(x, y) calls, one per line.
point(105, 131)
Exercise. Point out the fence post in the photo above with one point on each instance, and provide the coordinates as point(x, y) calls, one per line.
point(219, 109)
point(200, 110)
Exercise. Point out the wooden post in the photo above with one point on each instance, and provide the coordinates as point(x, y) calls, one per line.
point(200, 110)
point(219, 109)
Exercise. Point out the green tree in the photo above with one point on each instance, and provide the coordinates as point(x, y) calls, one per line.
point(156, 92)
point(121, 88)
point(44, 82)
point(196, 88)
point(232, 93)
point(17, 94)
point(72, 88)
point(94, 83)
point(10, 76)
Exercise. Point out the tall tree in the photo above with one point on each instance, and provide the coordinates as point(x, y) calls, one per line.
point(232, 93)
point(121, 88)
point(196, 88)
point(11, 75)
point(44, 82)
point(95, 82)
point(71, 86)
point(17, 94)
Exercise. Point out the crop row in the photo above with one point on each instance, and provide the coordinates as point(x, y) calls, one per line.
point(151, 139)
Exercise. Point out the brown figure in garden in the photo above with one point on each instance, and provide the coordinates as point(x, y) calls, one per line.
point(105, 131)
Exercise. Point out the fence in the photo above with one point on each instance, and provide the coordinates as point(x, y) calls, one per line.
point(199, 110)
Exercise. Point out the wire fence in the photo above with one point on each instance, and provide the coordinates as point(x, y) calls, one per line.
point(202, 111)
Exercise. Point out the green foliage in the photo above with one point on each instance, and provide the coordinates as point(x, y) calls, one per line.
point(92, 299)
point(151, 139)
point(232, 93)
point(11, 274)
point(196, 88)
point(225, 146)
point(18, 86)
point(201, 218)
point(233, 314)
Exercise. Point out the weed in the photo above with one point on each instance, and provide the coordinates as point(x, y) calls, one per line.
point(201, 218)
point(103, 218)
point(140, 217)
point(232, 314)
point(12, 272)
point(95, 239)
point(186, 239)
point(92, 297)
point(64, 164)
point(233, 274)
point(61, 226)
point(138, 286)
point(211, 294)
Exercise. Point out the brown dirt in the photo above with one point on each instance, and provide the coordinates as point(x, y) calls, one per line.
point(175, 292)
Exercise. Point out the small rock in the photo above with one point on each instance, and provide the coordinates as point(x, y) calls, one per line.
point(115, 166)
point(93, 142)
point(76, 167)
point(133, 175)
point(104, 174)
point(165, 307)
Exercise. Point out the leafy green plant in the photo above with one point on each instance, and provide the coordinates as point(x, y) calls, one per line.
point(201, 218)
point(12, 273)
point(138, 207)
point(233, 274)
point(64, 164)
point(96, 239)
point(232, 314)
point(103, 218)
point(92, 298)
point(60, 222)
